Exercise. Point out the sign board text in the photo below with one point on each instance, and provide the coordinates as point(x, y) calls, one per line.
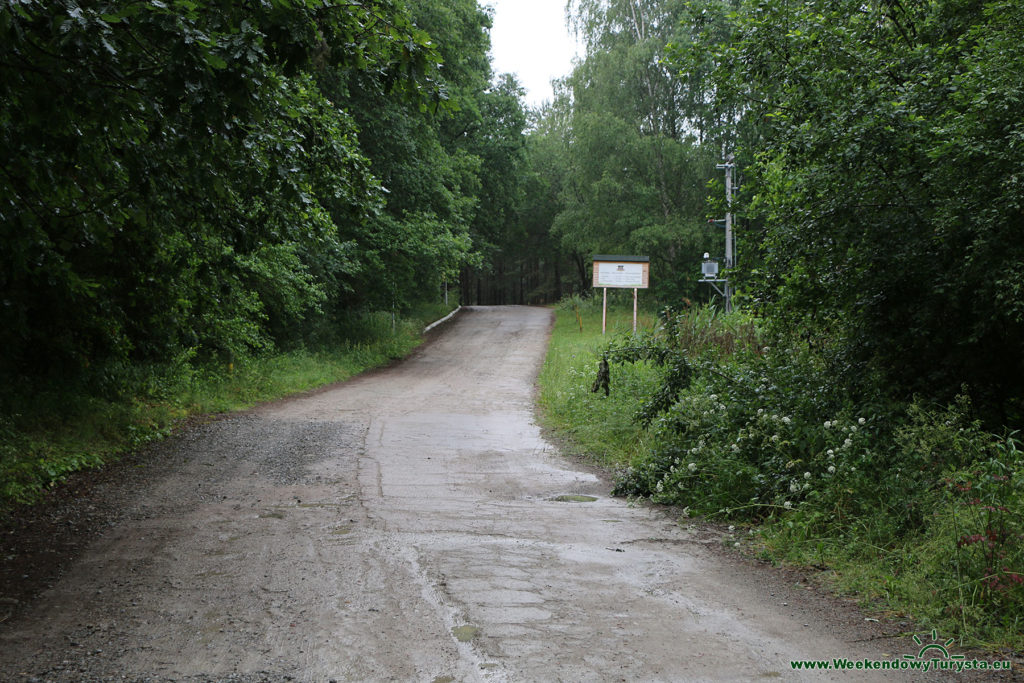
point(630, 272)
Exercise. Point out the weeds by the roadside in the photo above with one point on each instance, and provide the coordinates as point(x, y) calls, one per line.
point(601, 426)
point(911, 504)
point(51, 432)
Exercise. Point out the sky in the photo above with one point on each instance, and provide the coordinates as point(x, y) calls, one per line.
point(530, 39)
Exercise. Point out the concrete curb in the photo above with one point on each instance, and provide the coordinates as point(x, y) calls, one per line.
point(443, 320)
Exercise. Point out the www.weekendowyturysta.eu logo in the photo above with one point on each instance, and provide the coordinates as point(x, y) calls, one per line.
point(933, 656)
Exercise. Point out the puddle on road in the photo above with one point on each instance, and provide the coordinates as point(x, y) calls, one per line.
point(466, 633)
point(574, 498)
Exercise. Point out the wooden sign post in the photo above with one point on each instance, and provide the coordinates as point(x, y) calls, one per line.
point(632, 272)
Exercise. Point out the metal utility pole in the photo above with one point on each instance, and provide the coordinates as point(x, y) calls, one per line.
point(729, 261)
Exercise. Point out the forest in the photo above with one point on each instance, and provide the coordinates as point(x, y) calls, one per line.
point(188, 185)
point(224, 178)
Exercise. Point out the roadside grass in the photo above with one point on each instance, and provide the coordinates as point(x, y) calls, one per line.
point(54, 433)
point(911, 508)
point(601, 427)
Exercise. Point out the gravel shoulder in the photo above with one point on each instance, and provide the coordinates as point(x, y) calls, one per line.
point(410, 524)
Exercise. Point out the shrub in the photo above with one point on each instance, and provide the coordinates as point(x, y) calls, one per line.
point(917, 497)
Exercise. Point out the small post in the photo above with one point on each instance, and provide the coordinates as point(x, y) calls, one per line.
point(604, 312)
point(634, 310)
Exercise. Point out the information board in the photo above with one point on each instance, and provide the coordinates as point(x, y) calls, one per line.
point(624, 272)
point(629, 272)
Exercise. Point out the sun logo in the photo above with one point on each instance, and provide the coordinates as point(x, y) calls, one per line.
point(934, 649)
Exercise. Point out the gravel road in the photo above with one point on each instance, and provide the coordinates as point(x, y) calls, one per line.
point(412, 525)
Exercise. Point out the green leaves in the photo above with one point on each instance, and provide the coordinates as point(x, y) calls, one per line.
point(636, 145)
point(883, 171)
point(175, 176)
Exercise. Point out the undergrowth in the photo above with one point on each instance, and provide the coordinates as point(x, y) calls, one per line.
point(48, 433)
point(913, 506)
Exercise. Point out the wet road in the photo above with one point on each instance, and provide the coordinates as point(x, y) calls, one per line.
point(411, 524)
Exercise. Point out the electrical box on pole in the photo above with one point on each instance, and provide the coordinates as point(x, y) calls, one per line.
point(709, 269)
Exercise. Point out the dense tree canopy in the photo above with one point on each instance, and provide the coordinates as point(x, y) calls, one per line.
point(637, 170)
point(629, 147)
point(879, 151)
point(887, 179)
point(216, 178)
point(184, 177)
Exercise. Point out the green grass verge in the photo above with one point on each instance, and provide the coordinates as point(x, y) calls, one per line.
point(55, 433)
point(601, 427)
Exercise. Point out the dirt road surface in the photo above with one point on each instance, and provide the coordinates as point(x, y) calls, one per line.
point(412, 525)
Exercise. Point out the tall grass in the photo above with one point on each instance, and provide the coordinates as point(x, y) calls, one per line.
point(598, 426)
point(705, 332)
